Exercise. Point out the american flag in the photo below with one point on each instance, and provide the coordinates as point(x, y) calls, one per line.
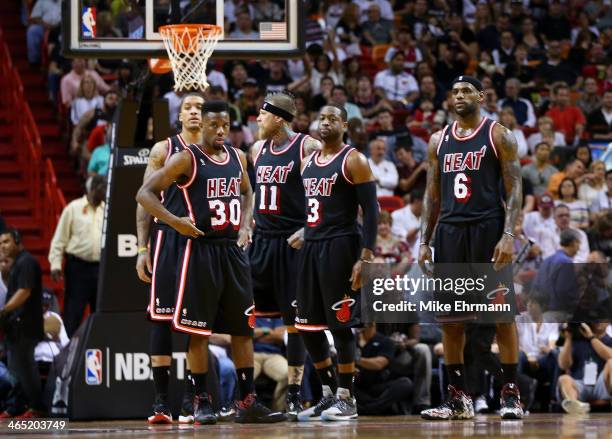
point(273, 31)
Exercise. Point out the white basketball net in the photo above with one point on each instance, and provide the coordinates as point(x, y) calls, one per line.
point(189, 47)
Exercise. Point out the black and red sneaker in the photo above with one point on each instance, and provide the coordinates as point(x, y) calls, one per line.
point(457, 406)
point(250, 411)
point(511, 402)
point(161, 414)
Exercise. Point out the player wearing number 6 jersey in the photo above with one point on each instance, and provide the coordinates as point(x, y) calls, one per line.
point(473, 166)
point(214, 287)
point(279, 214)
point(337, 180)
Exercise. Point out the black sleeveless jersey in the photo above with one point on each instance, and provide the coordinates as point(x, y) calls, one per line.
point(171, 198)
point(470, 175)
point(212, 195)
point(279, 192)
point(331, 198)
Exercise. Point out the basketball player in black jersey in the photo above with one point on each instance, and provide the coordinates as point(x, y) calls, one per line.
point(469, 161)
point(337, 180)
point(165, 244)
point(279, 213)
point(214, 288)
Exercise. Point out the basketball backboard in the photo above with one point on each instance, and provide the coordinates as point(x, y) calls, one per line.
point(129, 28)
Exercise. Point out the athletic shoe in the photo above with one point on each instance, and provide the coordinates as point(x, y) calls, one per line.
point(457, 406)
point(6, 415)
point(480, 405)
point(161, 414)
point(294, 406)
point(31, 413)
point(575, 407)
point(314, 413)
point(250, 411)
point(204, 413)
point(344, 407)
point(510, 403)
point(186, 415)
point(226, 413)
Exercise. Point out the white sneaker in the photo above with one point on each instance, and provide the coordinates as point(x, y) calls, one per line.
point(575, 407)
point(314, 413)
point(344, 407)
point(480, 405)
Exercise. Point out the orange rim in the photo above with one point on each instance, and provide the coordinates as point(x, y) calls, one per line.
point(175, 32)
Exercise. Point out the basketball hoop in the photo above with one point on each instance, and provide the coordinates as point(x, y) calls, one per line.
point(189, 47)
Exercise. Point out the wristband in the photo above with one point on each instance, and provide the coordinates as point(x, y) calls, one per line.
point(142, 250)
point(424, 243)
point(512, 235)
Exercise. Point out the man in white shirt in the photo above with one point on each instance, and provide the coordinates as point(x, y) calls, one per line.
point(384, 171)
point(46, 14)
point(543, 217)
point(78, 236)
point(394, 83)
point(548, 238)
point(407, 221)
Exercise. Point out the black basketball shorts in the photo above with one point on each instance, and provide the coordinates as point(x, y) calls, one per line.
point(464, 251)
point(214, 289)
point(166, 245)
point(324, 296)
point(274, 267)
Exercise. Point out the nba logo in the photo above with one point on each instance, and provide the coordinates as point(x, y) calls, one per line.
point(88, 27)
point(93, 367)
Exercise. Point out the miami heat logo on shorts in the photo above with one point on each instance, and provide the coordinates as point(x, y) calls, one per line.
point(250, 312)
point(342, 308)
point(497, 295)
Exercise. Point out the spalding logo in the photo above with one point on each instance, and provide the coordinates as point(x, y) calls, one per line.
point(141, 159)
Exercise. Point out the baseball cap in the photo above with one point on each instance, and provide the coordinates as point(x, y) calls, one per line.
point(545, 200)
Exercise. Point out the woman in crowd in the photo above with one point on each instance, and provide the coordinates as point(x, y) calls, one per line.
point(568, 195)
point(390, 249)
point(87, 99)
point(546, 133)
point(507, 119)
point(590, 189)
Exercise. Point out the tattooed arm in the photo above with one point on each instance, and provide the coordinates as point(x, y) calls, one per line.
point(431, 201)
point(505, 143)
point(311, 145)
point(157, 158)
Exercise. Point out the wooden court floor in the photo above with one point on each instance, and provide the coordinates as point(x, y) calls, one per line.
point(592, 426)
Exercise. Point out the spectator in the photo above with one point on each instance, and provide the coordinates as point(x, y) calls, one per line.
point(590, 100)
point(21, 318)
point(554, 68)
point(546, 133)
point(568, 196)
point(387, 132)
point(244, 27)
point(386, 10)
point(46, 14)
point(389, 249)
point(87, 99)
point(377, 30)
point(542, 218)
point(377, 393)
point(237, 76)
point(55, 337)
point(490, 108)
point(100, 157)
point(549, 239)
point(520, 68)
point(340, 98)
point(587, 357)
point(412, 172)
point(507, 119)
point(348, 31)
point(504, 54)
point(267, 10)
point(407, 221)
point(405, 43)
point(567, 118)
point(92, 126)
point(69, 85)
point(603, 201)
point(574, 169)
point(395, 84)
point(78, 235)
point(428, 89)
point(418, 20)
point(368, 102)
point(277, 78)
point(324, 96)
point(539, 171)
point(531, 39)
point(425, 120)
point(384, 171)
point(523, 109)
point(590, 189)
point(555, 25)
point(322, 67)
point(600, 120)
point(556, 280)
point(268, 357)
point(357, 136)
point(600, 236)
point(583, 153)
point(5, 268)
point(248, 101)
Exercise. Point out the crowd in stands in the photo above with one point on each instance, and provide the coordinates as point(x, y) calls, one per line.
point(547, 76)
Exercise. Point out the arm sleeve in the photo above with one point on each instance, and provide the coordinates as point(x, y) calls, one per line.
point(366, 194)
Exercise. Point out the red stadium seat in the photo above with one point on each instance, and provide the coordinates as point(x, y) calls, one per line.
point(390, 203)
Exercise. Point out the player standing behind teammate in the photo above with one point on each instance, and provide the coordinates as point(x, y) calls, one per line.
point(337, 180)
point(214, 292)
point(279, 213)
point(165, 246)
point(469, 160)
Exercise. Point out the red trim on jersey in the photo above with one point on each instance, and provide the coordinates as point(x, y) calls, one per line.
point(441, 140)
point(194, 163)
point(216, 162)
point(322, 165)
point(189, 206)
point(238, 158)
point(179, 300)
point(310, 328)
point(182, 140)
point(152, 313)
point(463, 139)
point(344, 165)
point(491, 139)
point(286, 148)
point(169, 153)
point(259, 153)
point(267, 314)
point(302, 146)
